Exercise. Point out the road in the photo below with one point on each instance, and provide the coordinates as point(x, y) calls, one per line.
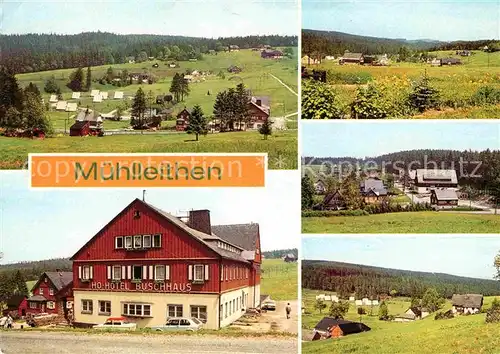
point(30, 342)
point(288, 87)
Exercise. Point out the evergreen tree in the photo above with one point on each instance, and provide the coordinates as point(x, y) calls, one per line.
point(20, 284)
point(183, 88)
point(197, 123)
point(76, 80)
point(33, 89)
point(110, 75)
point(51, 85)
point(88, 81)
point(7, 286)
point(424, 96)
point(10, 93)
point(138, 108)
point(59, 94)
point(266, 129)
point(175, 87)
point(308, 191)
point(242, 98)
point(12, 119)
point(33, 114)
point(383, 312)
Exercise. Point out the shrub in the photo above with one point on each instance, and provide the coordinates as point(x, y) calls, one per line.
point(319, 101)
point(444, 315)
point(485, 95)
point(424, 96)
point(369, 104)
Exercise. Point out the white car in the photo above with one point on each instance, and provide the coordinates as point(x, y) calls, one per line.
point(120, 323)
point(180, 324)
point(269, 305)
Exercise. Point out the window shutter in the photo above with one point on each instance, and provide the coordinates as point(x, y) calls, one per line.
point(144, 272)
point(129, 272)
point(206, 271)
point(167, 272)
point(109, 272)
point(124, 270)
point(190, 272)
point(225, 271)
point(222, 273)
point(91, 272)
point(150, 272)
point(79, 272)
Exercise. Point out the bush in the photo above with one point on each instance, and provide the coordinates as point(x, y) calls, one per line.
point(485, 95)
point(369, 104)
point(424, 96)
point(319, 101)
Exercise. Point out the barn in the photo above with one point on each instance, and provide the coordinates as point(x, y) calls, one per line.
point(351, 58)
point(443, 198)
point(148, 265)
point(17, 303)
point(52, 293)
point(467, 304)
point(330, 327)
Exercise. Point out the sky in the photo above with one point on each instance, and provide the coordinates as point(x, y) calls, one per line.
point(370, 139)
point(41, 224)
point(463, 256)
point(447, 20)
point(197, 18)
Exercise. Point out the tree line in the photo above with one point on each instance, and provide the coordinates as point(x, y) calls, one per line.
point(280, 253)
point(39, 52)
point(375, 282)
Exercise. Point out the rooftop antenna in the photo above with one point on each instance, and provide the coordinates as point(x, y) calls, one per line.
point(143, 195)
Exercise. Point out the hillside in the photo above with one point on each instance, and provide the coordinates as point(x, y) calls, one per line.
point(280, 253)
point(336, 43)
point(346, 278)
point(39, 52)
point(33, 269)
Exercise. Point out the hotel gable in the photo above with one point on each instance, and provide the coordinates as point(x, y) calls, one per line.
point(149, 265)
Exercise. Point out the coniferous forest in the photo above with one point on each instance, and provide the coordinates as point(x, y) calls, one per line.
point(373, 282)
point(39, 52)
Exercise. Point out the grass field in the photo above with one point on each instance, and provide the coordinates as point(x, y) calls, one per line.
point(281, 146)
point(464, 334)
point(456, 84)
point(256, 75)
point(405, 222)
point(279, 279)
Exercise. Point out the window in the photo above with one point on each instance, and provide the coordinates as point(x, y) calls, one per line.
point(128, 241)
point(51, 305)
point(119, 242)
point(174, 310)
point(221, 310)
point(33, 305)
point(136, 272)
point(40, 291)
point(198, 273)
point(146, 241)
point(51, 291)
point(159, 272)
point(234, 305)
point(86, 272)
point(117, 273)
point(137, 214)
point(45, 280)
point(138, 310)
point(157, 240)
point(138, 241)
point(87, 306)
point(225, 268)
point(173, 322)
point(199, 312)
point(225, 310)
point(104, 307)
point(185, 322)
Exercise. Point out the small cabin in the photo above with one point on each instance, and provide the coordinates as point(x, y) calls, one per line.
point(444, 198)
point(330, 327)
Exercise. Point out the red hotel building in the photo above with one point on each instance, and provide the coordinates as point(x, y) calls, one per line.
point(149, 265)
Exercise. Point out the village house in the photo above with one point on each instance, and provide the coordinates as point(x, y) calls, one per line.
point(467, 304)
point(425, 179)
point(435, 62)
point(52, 293)
point(320, 187)
point(372, 190)
point(351, 58)
point(290, 258)
point(271, 54)
point(412, 314)
point(17, 303)
point(259, 109)
point(333, 201)
point(450, 61)
point(307, 60)
point(234, 48)
point(330, 327)
point(87, 122)
point(148, 265)
point(182, 121)
point(444, 198)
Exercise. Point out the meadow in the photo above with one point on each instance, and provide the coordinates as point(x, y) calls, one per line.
point(463, 334)
point(405, 222)
point(279, 279)
point(456, 84)
point(256, 75)
point(281, 146)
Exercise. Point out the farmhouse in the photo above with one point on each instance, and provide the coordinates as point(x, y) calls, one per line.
point(467, 304)
point(234, 48)
point(290, 258)
point(320, 187)
point(450, 61)
point(148, 265)
point(307, 60)
point(425, 179)
point(330, 327)
point(333, 201)
point(412, 314)
point(444, 198)
point(87, 123)
point(351, 58)
point(183, 119)
point(271, 54)
point(52, 293)
point(17, 303)
point(372, 190)
point(259, 110)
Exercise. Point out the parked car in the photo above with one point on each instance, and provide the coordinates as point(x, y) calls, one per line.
point(269, 305)
point(180, 324)
point(120, 323)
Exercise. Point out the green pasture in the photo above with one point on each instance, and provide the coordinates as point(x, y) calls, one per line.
point(279, 279)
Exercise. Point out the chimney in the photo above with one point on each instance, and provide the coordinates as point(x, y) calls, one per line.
point(200, 220)
point(258, 102)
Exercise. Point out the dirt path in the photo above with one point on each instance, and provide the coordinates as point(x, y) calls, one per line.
point(26, 342)
point(288, 87)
